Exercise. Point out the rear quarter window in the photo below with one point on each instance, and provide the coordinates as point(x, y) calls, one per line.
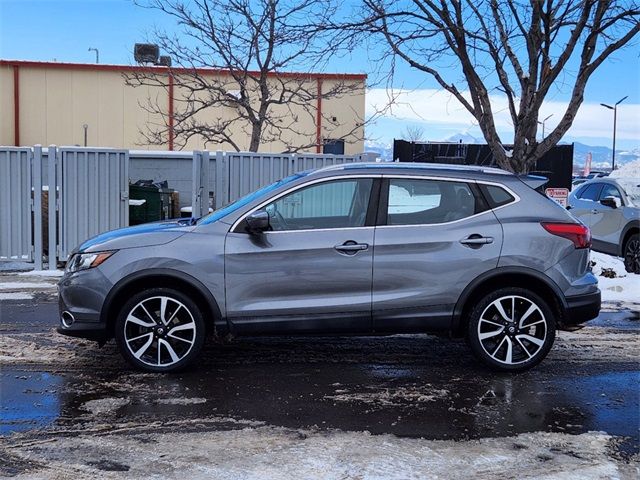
point(496, 196)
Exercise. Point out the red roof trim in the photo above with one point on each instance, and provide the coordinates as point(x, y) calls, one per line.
point(202, 71)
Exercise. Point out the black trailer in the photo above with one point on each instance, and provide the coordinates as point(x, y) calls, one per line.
point(556, 165)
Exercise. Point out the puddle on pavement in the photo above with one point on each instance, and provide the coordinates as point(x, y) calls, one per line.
point(28, 399)
point(454, 401)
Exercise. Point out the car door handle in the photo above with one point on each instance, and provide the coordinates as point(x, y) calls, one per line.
point(595, 211)
point(351, 247)
point(476, 240)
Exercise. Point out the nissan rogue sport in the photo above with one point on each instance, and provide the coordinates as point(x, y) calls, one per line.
point(351, 249)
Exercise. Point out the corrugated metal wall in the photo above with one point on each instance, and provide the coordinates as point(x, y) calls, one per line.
point(15, 204)
point(93, 194)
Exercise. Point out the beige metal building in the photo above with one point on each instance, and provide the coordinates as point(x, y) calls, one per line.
point(64, 104)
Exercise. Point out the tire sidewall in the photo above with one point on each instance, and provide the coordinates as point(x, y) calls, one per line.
point(157, 292)
point(474, 319)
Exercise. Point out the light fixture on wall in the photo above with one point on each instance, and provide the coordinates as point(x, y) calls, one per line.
point(85, 127)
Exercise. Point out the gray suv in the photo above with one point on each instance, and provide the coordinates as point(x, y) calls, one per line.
point(610, 207)
point(352, 249)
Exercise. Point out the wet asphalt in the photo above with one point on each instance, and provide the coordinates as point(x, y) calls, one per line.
point(415, 386)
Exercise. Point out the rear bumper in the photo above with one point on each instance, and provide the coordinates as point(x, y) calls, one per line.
point(90, 331)
point(582, 308)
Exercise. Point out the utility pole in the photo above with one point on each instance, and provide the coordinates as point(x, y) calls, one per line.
point(91, 49)
point(615, 114)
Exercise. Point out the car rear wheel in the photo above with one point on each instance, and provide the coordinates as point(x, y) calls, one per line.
point(160, 330)
point(631, 254)
point(511, 329)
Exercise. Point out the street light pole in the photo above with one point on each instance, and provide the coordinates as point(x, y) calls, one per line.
point(615, 115)
point(542, 123)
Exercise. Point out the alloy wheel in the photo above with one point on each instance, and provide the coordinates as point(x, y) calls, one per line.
point(632, 256)
point(159, 331)
point(512, 330)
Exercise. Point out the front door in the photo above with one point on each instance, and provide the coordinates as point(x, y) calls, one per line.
point(434, 238)
point(606, 222)
point(312, 270)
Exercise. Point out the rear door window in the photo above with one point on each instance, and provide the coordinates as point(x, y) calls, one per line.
point(590, 192)
point(423, 202)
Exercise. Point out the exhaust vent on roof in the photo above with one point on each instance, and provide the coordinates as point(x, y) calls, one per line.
point(146, 53)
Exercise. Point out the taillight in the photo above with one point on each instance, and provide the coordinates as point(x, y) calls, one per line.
point(576, 232)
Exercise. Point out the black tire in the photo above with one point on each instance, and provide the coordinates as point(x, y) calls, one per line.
point(145, 308)
point(631, 253)
point(498, 336)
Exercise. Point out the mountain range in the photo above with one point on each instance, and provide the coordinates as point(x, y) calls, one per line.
point(600, 156)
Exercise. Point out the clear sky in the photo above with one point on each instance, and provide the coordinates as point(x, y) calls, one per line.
point(63, 30)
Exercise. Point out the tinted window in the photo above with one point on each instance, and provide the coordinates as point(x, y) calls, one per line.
point(498, 196)
point(418, 202)
point(610, 191)
point(590, 192)
point(333, 204)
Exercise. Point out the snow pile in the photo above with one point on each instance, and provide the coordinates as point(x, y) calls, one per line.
point(625, 287)
point(276, 453)
point(628, 170)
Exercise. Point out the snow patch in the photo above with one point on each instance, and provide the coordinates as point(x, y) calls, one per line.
point(15, 296)
point(182, 401)
point(42, 273)
point(414, 395)
point(624, 288)
point(26, 285)
point(104, 405)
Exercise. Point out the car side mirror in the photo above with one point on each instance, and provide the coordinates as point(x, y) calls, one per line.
point(611, 202)
point(257, 221)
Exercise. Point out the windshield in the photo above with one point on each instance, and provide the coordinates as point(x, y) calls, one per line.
point(241, 202)
point(631, 187)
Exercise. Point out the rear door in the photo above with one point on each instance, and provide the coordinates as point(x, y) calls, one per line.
point(434, 236)
point(585, 202)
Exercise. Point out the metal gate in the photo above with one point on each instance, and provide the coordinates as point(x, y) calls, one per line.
point(93, 194)
point(238, 174)
point(16, 230)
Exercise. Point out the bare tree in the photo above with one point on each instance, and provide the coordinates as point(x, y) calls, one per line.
point(231, 72)
point(523, 51)
point(413, 133)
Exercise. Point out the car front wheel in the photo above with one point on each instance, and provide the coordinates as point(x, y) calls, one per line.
point(160, 330)
point(511, 329)
point(631, 254)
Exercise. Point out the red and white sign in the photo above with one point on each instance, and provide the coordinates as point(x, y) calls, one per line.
point(558, 195)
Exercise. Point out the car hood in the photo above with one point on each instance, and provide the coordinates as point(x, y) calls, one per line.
point(146, 235)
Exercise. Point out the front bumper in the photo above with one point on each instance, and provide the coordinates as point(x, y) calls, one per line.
point(582, 308)
point(81, 296)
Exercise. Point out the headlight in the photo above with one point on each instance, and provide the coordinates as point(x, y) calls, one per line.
point(83, 261)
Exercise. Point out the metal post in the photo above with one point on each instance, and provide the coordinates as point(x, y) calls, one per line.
point(36, 184)
point(52, 160)
point(613, 154)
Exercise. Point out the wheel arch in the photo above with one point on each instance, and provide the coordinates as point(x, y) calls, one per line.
point(161, 278)
point(507, 277)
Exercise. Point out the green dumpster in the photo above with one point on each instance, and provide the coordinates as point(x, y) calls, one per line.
point(149, 203)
